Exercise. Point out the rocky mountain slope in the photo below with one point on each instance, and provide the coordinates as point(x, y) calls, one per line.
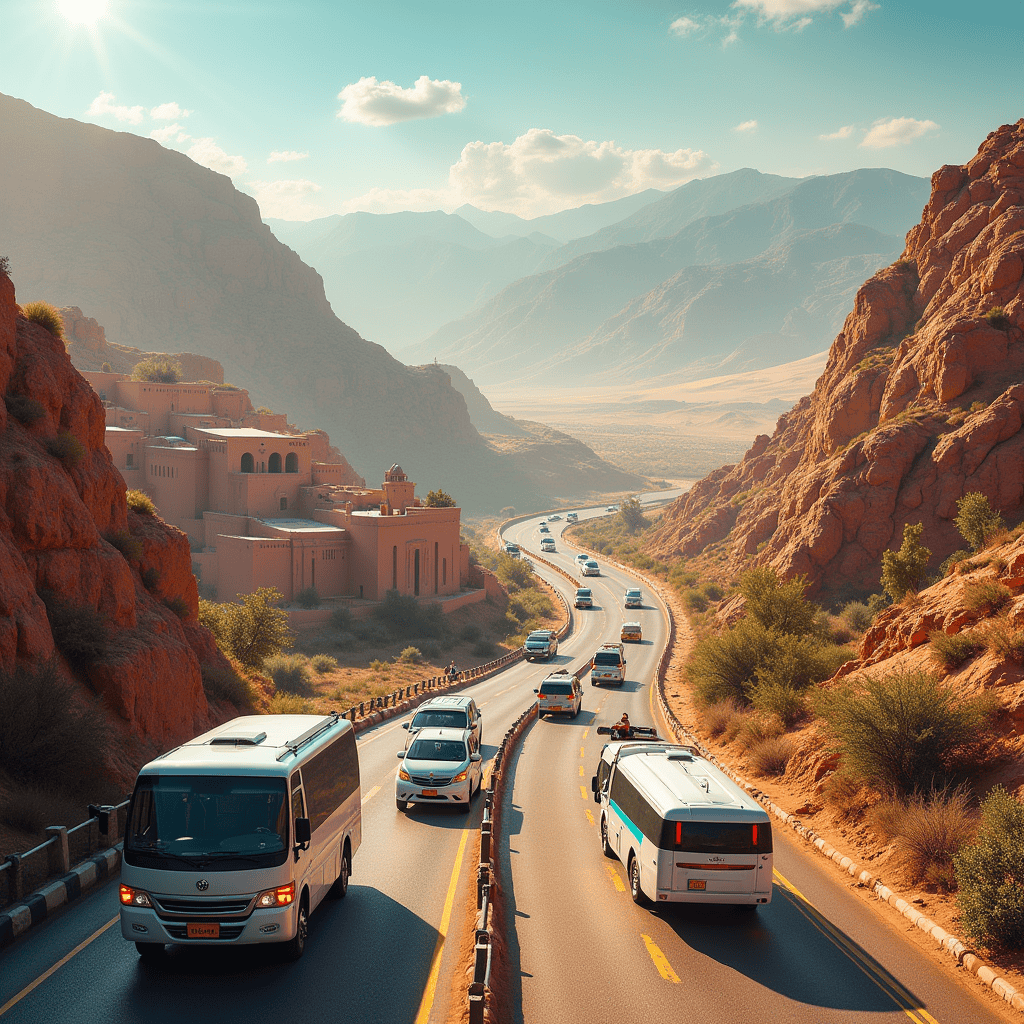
point(542, 323)
point(921, 401)
point(64, 528)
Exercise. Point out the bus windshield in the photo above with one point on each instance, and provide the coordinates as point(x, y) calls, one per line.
point(185, 822)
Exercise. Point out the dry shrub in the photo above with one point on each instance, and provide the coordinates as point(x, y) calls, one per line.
point(1002, 639)
point(289, 704)
point(719, 716)
point(843, 795)
point(66, 448)
point(129, 546)
point(139, 501)
point(780, 701)
point(23, 408)
point(885, 818)
point(321, 664)
point(757, 728)
point(770, 755)
point(228, 686)
point(79, 632)
point(290, 673)
point(952, 651)
point(931, 832)
point(857, 616)
point(46, 315)
point(986, 596)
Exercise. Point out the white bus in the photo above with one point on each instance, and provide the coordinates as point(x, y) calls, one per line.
point(236, 836)
point(685, 832)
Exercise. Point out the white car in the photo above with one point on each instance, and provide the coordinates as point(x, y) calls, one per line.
point(591, 568)
point(611, 508)
point(634, 598)
point(572, 516)
point(553, 519)
point(547, 544)
point(441, 766)
point(581, 560)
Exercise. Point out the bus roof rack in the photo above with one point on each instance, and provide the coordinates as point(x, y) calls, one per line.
point(292, 746)
point(238, 739)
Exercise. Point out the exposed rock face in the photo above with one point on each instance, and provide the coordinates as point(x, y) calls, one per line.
point(55, 520)
point(920, 402)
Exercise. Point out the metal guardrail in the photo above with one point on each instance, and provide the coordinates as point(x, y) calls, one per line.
point(23, 873)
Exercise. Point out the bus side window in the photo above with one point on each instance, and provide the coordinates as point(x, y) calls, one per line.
point(298, 804)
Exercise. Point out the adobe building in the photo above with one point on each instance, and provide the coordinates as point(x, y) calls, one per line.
point(261, 511)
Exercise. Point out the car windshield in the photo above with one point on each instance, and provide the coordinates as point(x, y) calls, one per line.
point(437, 750)
point(583, 593)
point(557, 688)
point(591, 564)
point(208, 821)
point(632, 593)
point(607, 658)
point(453, 719)
point(540, 634)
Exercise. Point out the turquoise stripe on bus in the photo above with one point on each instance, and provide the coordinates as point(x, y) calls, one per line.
point(637, 834)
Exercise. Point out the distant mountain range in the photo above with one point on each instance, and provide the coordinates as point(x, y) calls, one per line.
point(760, 284)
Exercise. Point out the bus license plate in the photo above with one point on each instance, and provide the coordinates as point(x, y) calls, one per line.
point(203, 930)
point(430, 792)
point(696, 883)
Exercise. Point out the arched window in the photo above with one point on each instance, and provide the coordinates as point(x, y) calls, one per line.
point(248, 463)
point(291, 463)
point(394, 567)
point(274, 465)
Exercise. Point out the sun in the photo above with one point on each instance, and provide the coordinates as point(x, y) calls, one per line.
point(82, 12)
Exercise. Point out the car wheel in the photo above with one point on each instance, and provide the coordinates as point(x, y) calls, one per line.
point(634, 883)
point(340, 887)
point(150, 951)
point(401, 804)
point(606, 847)
point(749, 908)
point(295, 947)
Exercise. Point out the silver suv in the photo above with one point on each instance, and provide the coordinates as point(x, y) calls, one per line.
point(541, 643)
point(441, 766)
point(452, 712)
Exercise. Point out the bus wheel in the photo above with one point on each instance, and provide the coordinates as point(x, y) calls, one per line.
point(634, 883)
point(606, 847)
point(340, 887)
point(295, 947)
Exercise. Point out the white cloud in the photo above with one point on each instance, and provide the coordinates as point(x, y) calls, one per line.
point(286, 200)
point(382, 103)
point(684, 27)
point(209, 154)
point(705, 26)
point(746, 126)
point(542, 172)
point(843, 133)
point(285, 156)
point(164, 135)
point(897, 131)
point(104, 106)
point(857, 11)
point(168, 112)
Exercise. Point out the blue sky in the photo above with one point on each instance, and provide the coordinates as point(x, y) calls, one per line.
point(319, 108)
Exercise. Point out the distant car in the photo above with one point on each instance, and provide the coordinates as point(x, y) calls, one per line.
point(553, 519)
point(611, 508)
point(591, 568)
point(572, 517)
point(584, 598)
point(609, 665)
point(511, 549)
point(543, 521)
point(541, 643)
point(581, 560)
point(634, 598)
point(544, 529)
point(560, 693)
point(547, 544)
point(632, 632)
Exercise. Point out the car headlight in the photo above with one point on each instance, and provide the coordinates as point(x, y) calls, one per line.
point(403, 775)
point(462, 776)
point(134, 897)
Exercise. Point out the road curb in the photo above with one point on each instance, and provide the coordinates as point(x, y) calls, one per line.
point(18, 919)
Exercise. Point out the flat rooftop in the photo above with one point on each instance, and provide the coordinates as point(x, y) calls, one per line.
point(301, 526)
point(124, 430)
point(246, 432)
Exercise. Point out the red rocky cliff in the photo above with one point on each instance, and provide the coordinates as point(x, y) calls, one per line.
point(921, 401)
point(57, 519)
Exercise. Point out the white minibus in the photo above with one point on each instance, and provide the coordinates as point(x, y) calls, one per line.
point(236, 836)
point(685, 832)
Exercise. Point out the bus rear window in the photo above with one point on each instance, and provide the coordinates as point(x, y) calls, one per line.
point(717, 836)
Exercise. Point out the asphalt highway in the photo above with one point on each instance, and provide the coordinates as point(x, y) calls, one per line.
point(583, 951)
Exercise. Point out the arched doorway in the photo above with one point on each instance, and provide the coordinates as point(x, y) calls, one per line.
point(248, 463)
point(274, 464)
point(291, 463)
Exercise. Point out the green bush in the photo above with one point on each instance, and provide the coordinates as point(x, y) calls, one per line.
point(341, 619)
point(290, 704)
point(904, 732)
point(985, 596)
point(79, 632)
point(877, 603)
point(129, 546)
point(952, 651)
point(632, 515)
point(321, 664)
point(382, 668)
point(290, 673)
point(226, 686)
point(1005, 641)
point(779, 699)
point(439, 499)
point(857, 616)
point(404, 617)
point(45, 315)
point(24, 409)
point(50, 733)
point(140, 501)
point(778, 604)
point(514, 573)
point(250, 631)
point(712, 591)
point(990, 874)
point(157, 370)
point(66, 448)
point(411, 655)
point(758, 727)
point(719, 716)
point(308, 598)
point(694, 601)
point(976, 519)
point(903, 570)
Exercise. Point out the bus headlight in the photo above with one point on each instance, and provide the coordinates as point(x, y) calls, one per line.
point(403, 775)
point(279, 897)
point(134, 897)
point(462, 776)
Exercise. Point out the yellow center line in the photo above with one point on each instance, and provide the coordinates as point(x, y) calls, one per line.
point(426, 1004)
point(57, 966)
point(369, 796)
point(885, 981)
point(581, 752)
point(590, 817)
point(619, 884)
point(660, 960)
point(581, 771)
point(586, 731)
point(583, 792)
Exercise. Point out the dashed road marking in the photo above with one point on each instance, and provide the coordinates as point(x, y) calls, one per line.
point(585, 732)
point(581, 751)
point(660, 960)
point(581, 771)
point(590, 817)
point(583, 792)
point(369, 796)
point(619, 884)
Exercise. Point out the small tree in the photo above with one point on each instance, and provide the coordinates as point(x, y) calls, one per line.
point(903, 570)
point(976, 519)
point(439, 499)
point(990, 874)
point(157, 369)
point(632, 514)
point(251, 631)
point(778, 604)
point(514, 573)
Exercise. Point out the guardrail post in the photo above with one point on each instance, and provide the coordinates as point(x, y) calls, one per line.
point(480, 956)
point(17, 874)
point(59, 851)
point(476, 1003)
